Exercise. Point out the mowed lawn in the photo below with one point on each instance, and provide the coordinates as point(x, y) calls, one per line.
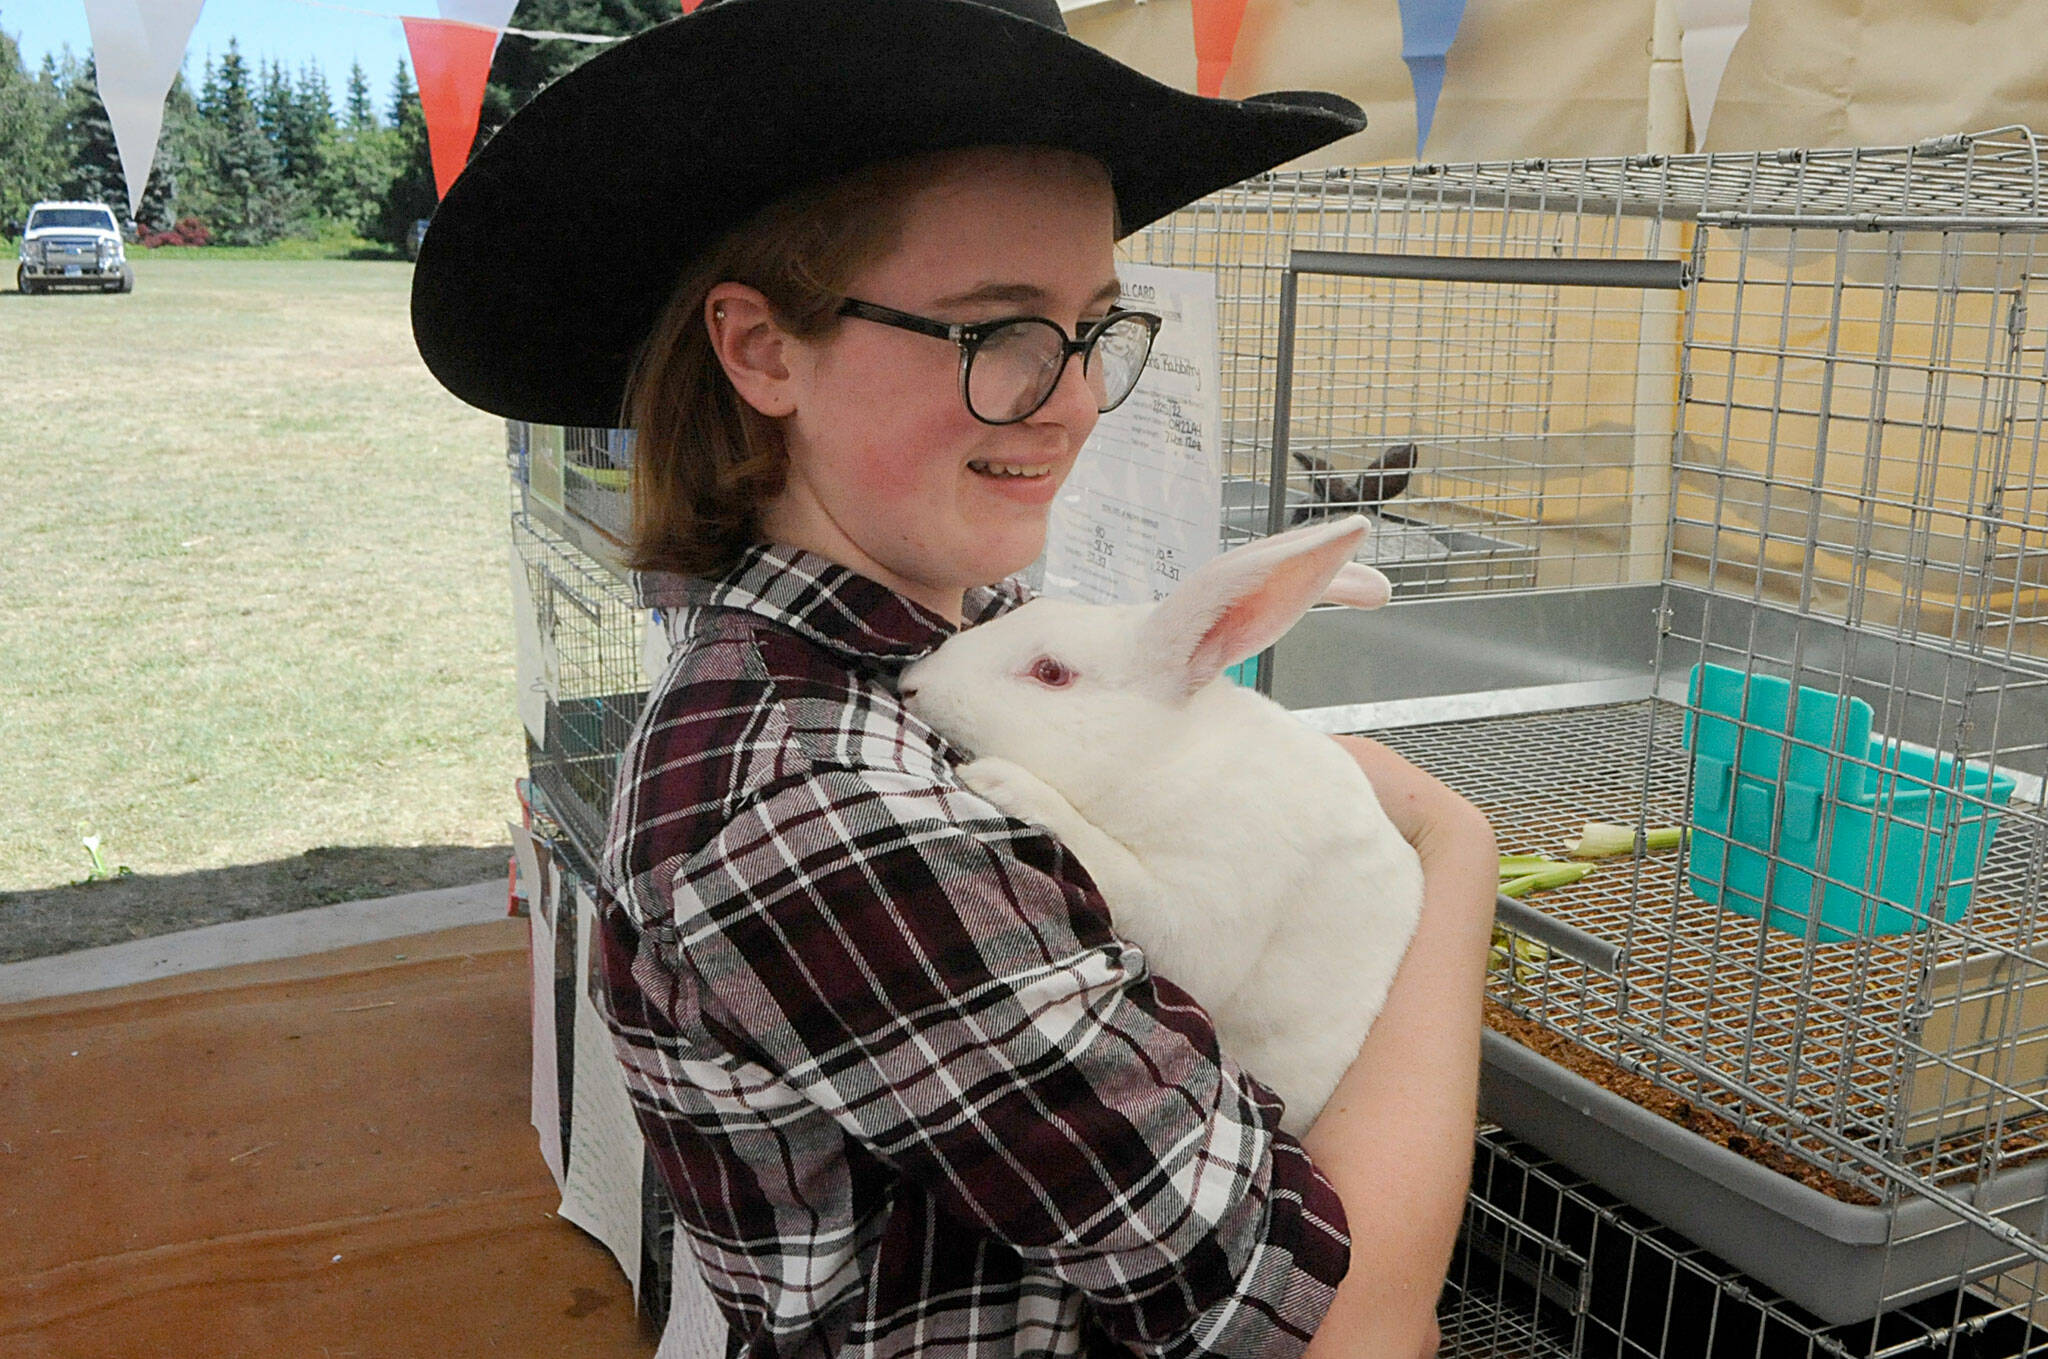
point(254, 596)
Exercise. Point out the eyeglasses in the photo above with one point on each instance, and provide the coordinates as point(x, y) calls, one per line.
point(1009, 367)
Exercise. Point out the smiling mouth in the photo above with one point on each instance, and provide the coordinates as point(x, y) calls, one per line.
point(1024, 470)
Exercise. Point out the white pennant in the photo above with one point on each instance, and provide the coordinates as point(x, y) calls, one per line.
point(137, 48)
point(1708, 32)
point(483, 13)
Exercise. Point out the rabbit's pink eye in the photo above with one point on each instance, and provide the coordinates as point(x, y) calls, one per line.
point(1051, 673)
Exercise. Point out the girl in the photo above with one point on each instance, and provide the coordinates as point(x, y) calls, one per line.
point(910, 1092)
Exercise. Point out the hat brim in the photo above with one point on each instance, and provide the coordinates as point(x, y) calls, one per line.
point(557, 247)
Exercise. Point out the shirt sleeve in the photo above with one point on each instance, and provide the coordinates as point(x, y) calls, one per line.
point(943, 983)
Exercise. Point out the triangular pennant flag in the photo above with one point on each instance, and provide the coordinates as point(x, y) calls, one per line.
point(1216, 26)
point(451, 63)
point(1708, 32)
point(1428, 28)
point(483, 13)
point(137, 48)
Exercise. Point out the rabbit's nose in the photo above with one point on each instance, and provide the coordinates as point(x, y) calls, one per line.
point(907, 692)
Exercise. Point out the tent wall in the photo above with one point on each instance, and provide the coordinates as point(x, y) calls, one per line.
point(1521, 82)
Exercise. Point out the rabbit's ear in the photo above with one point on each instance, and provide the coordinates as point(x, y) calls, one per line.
point(1359, 586)
point(1240, 603)
point(1388, 477)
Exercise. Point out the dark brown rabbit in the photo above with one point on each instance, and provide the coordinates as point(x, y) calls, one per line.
point(1337, 494)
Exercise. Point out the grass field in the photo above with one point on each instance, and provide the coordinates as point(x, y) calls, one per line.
point(254, 599)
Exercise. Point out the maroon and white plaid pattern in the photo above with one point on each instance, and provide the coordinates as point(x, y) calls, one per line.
point(911, 1093)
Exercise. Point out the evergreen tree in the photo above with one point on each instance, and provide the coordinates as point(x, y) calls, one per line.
point(209, 89)
point(404, 94)
point(198, 140)
point(31, 114)
point(254, 202)
point(179, 160)
point(524, 66)
point(360, 113)
point(92, 162)
point(273, 102)
point(357, 168)
point(225, 97)
point(359, 158)
point(306, 116)
point(411, 195)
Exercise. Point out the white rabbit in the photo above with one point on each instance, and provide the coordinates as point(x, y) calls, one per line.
point(1241, 850)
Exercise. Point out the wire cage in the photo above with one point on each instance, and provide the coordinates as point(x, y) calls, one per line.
point(588, 633)
point(1550, 1266)
point(572, 482)
point(1724, 509)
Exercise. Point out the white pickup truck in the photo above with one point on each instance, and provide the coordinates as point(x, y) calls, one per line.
point(73, 244)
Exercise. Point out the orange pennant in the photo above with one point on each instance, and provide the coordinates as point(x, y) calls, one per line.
point(1216, 25)
point(451, 63)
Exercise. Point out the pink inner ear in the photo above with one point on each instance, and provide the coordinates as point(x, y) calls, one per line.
point(1253, 620)
point(1232, 636)
point(1240, 603)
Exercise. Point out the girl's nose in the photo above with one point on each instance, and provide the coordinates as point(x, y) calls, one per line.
point(1073, 402)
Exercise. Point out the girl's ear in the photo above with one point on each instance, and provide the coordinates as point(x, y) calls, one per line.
point(752, 347)
point(1240, 603)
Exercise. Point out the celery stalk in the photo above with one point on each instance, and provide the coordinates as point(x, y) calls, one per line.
point(1605, 840)
point(1523, 955)
point(1553, 875)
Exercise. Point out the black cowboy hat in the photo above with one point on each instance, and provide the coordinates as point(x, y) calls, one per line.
point(557, 247)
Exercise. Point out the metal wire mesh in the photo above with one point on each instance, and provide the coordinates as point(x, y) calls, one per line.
point(1549, 1264)
point(589, 635)
point(1861, 431)
point(1539, 413)
point(1995, 174)
point(1542, 413)
point(1799, 1045)
point(1823, 459)
point(572, 482)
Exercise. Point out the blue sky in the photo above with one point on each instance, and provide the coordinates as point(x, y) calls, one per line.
point(285, 31)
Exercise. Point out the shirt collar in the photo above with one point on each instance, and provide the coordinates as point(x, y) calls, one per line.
point(815, 597)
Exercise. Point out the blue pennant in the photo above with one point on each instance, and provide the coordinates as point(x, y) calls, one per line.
point(1428, 27)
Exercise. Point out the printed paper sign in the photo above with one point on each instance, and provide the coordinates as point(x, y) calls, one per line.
point(696, 1328)
point(547, 1087)
point(602, 1194)
point(654, 648)
point(1141, 507)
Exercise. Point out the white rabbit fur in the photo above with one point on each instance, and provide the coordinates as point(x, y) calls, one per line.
point(1241, 850)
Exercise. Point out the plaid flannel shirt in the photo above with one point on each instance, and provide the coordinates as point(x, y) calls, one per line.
point(910, 1092)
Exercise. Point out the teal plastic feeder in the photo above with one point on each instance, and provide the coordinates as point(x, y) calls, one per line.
point(1808, 772)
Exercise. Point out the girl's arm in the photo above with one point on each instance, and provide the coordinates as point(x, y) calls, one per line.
point(1396, 1137)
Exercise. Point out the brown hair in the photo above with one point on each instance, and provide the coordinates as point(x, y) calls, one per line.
point(705, 462)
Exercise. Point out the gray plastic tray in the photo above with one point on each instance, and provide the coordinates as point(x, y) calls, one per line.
point(1834, 1259)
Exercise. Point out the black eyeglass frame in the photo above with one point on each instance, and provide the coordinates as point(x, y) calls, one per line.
point(970, 335)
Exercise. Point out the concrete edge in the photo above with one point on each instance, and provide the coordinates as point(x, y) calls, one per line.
point(261, 940)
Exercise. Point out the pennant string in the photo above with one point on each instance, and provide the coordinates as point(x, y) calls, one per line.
point(542, 33)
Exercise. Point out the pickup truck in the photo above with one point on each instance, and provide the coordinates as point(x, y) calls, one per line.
point(76, 245)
